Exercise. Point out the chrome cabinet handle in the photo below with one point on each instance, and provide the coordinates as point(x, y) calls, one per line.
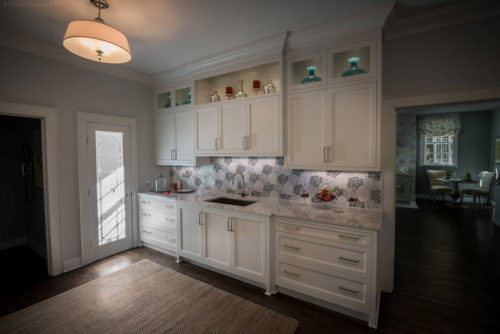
point(175, 154)
point(199, 218)
point(145, 202)
point(348, 290)
point(146, 214)
point(170, 219)
point(147, 232)
point(228, 220)
point(324, 153)
point(329, 151)
point(291, 273)
point(171, 240)
point(291, 247)
point(291, 228)
point(168, 206)
point(232, 227)
point(348, 260)
point(343, 236)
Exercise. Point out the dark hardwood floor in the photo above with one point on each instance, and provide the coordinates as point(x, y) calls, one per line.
point(447, 278)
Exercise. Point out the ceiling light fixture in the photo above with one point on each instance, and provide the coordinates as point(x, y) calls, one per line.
point(96, 40)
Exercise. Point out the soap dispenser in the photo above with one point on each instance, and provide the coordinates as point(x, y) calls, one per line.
point(160, 184)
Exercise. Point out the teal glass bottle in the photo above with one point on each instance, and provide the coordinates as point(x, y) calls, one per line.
point(312, 77)
point(169, 103)
point(188, 100)
point(354, 68)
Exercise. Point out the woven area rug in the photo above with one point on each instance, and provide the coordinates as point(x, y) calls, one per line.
point(146, 298)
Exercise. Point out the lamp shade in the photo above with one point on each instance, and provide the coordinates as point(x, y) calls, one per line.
point(97, 41)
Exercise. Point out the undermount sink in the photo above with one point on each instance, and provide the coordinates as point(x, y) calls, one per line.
point(230, 201)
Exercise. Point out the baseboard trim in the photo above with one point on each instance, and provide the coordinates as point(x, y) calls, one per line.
point(11, 243)
point(72, 264)
point(36, 247)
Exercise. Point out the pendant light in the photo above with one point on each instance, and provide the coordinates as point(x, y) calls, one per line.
point(95, 40)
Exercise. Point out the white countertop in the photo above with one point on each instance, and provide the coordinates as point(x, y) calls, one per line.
point(368, 219)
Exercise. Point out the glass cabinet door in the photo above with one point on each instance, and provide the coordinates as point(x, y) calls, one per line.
point(164, 100)
point(183, 96)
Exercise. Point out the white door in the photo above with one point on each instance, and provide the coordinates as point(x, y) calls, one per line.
point(307, 124)
point(189, 233)
point(233, 127)
point(217, 250)
point(249, 245)
point(165, 137)
point(184, 133)
point(207, 127)
point(264, 130)
point(353, 122)
point(109, 180)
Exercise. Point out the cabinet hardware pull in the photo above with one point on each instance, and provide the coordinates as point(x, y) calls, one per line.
point(348, 260)
point(324, 154)
point(343, 236)
point(147, 232)
point(146, 214)
point(175, 154)
point(291, 274)
point(348, 290)
point(168, 206)
point(199, 218)
point(232, 227)
point(292, 228)
point(145, 202)
point(228, 220)
point(216, 148)
point(291, 247)
point(170, 219)
point(329, 153)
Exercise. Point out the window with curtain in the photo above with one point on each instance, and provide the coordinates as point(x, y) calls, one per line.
point(439, 139)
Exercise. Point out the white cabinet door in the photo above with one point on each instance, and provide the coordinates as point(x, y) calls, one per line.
point(207, 129)
point(249, 247)
point(165, 137)
point(353, 124)
point(264, 126)
point(217, 250)
point(307, 124)
point(232, 127)
point(190, 233)
point(185, 136)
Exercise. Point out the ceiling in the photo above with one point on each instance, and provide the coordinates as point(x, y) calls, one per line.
point(163, 34)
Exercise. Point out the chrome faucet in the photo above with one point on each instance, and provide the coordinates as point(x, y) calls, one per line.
point(244, 192)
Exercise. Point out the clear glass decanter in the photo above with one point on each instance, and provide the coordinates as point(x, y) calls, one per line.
point(240, 93)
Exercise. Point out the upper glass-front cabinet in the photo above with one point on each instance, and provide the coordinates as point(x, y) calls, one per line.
point(183, 97)
point(164, 100)
point(352, 62)
point(307, 71)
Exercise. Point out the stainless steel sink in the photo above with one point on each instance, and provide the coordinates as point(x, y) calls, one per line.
point(230, 201)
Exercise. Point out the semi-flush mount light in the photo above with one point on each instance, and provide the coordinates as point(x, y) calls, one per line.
point(96, 40)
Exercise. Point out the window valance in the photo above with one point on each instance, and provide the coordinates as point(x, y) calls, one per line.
point(440, 124)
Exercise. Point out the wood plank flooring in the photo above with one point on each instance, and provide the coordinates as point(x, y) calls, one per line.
point(447, 278)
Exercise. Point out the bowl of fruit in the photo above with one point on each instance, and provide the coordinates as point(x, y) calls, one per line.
point(324, 199)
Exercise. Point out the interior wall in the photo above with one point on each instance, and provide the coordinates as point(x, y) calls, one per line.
point(406, 145)
point(494, 132)
point(473, 151)
point(29, 79)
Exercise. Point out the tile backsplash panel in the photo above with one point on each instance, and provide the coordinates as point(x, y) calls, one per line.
point(266, 177)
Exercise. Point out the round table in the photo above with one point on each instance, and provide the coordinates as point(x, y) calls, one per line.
point(456, 192)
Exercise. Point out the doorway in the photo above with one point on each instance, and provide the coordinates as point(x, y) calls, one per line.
point(107, 182)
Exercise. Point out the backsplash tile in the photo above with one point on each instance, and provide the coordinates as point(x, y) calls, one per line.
point(266, 177)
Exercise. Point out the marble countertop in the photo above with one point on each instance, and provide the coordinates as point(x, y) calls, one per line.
point(368, 219)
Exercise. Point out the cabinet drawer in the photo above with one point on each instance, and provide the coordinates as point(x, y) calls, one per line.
point(327, 233)
point(336, 289)
point(158, 218)
point(323, 255)
point(159, 204)
point(157, 236)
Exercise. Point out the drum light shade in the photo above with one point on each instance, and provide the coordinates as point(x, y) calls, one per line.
point(97, 41)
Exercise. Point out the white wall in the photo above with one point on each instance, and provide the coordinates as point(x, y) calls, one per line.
point(29, 79)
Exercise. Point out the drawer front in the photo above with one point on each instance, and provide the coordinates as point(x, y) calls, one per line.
point(346, 292)
point(323, 255)
point(159, 237)
point(159, 204)
point(158, 218)
point(347, 236)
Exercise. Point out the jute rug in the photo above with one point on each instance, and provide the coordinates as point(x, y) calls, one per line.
point(146, 298)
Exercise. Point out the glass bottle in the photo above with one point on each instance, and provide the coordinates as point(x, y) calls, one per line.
point(169, 102)
point(312, 77)
point(188, 100)
point(160, 184)
point(214, 97)
point(269, 88)
point(354, 69)
point(240, 93)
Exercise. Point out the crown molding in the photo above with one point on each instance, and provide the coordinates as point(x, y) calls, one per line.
point(438, 18)
point(359, 24)
point(251, 54)
point(41, 49)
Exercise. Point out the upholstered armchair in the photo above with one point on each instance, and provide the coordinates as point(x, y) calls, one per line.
point(486, 180)
point(438, 187)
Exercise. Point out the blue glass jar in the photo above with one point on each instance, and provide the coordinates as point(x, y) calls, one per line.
point(312, 77)
point(354, 69)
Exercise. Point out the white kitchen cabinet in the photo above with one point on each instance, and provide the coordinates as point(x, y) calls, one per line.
point(217, 240)
point(190, 232)
point(175, 136)
point(334, 128)
point(250, 127)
